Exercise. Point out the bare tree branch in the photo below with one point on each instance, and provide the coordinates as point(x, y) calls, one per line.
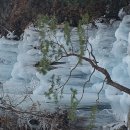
point(109, 81)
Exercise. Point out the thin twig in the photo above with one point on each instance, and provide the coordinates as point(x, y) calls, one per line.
point(85, 85)
point(70, 74)
point(100, 90)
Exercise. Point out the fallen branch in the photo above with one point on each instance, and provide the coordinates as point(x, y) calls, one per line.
point(109, 81)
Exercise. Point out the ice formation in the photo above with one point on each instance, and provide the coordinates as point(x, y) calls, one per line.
point(24, 71)
point(112, 50)
point(112, 53)
point(120, 72)
point(8, 56)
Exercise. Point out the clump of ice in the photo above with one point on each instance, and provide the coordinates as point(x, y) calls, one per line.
point(8, 57)
point(24, 69)
point(121, 13)
point(120, 72)
point(112, 51)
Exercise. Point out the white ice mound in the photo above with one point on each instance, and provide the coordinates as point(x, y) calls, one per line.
point(8, 57)
point(124, 29)
point(24, 69)
point(121, 72)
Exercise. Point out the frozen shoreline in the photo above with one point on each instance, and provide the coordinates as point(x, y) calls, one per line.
point(112, 50)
